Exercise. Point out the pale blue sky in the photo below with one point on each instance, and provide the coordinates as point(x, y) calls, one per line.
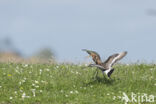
point(67, 26)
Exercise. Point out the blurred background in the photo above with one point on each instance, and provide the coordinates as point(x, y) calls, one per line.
point(57, 30)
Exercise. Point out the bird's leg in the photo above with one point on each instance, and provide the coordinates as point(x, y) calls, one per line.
point(96, 73)
point(103, 74)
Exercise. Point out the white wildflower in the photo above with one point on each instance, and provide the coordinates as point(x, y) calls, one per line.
point(21, 90)
point(26, 65)
point(114, 97)
point(40, 71)
point(24, 95)
point(15, 92)
point(151, 77)
point(37, 86)
point(71, 92)
point(11, 98)
point(108, 94)
point(17, 67)
point(47, 69)
point(77, 72)
point(74, 86)
point(76, 92)
point(20, 83)
point(72, 71)
point(23, 81)
point(61, 91)
point(43, 81)
point(17, 71)
point(33, 91)
point(36, 82)
point(151, 69)
point(119, 97)
point(57, 66)
point(41, 91)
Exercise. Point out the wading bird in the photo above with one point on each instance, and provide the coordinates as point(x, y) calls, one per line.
point(106, 66)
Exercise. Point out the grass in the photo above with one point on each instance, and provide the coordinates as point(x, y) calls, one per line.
point(73, 84)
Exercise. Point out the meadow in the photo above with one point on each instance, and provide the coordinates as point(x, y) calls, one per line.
point(74, 84)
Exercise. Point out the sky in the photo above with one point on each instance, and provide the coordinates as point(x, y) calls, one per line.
point(67, 26)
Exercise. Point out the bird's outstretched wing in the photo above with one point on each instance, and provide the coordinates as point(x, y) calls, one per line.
point(95, 56)
point(114, 58)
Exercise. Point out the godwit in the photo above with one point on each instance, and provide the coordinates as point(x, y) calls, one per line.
point(106, 66)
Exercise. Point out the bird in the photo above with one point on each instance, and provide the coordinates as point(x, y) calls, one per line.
point(106, 66)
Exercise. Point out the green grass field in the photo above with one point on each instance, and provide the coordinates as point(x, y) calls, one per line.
point(73, 84)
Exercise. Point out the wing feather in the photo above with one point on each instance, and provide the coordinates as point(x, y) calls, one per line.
point(95, 56)
point(114, 58)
